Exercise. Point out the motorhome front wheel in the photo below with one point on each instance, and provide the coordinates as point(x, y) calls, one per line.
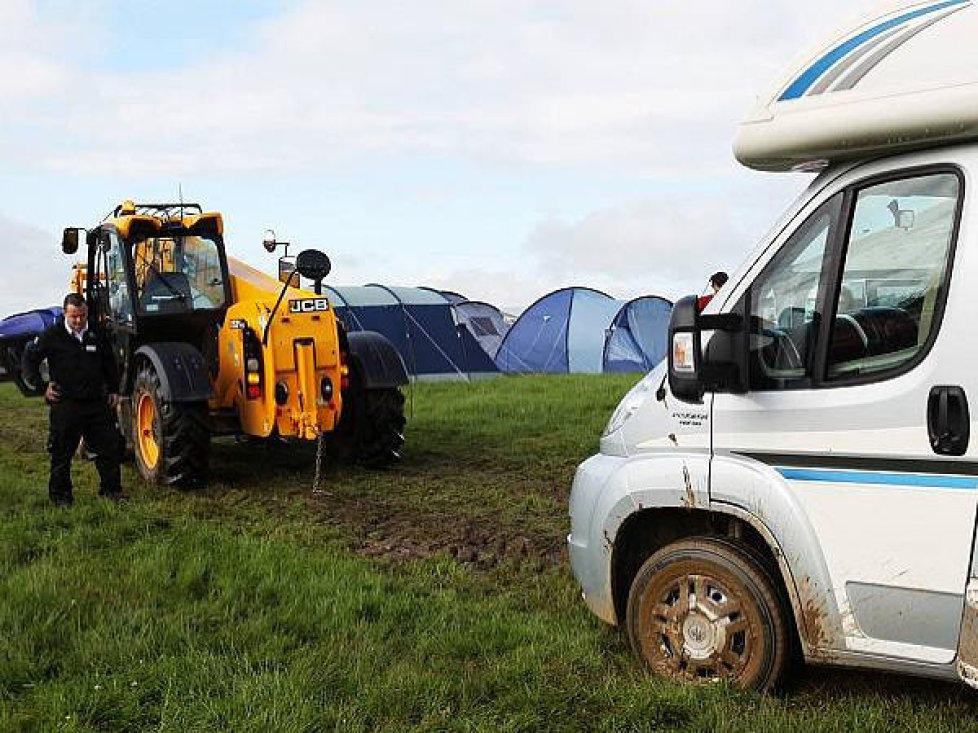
point(706, 609)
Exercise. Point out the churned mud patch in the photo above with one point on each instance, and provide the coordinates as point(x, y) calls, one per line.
point(380, 532)
point(483, 511)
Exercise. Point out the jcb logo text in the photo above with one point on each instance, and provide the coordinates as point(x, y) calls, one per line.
point(309, 305)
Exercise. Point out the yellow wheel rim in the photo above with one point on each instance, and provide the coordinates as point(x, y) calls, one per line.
point(149, 447)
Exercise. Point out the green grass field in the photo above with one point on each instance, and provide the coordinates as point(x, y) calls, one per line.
point(432, 596)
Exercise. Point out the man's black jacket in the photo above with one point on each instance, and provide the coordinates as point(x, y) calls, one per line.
point(83, 370)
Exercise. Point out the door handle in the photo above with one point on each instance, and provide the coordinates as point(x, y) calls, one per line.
point(948, 421)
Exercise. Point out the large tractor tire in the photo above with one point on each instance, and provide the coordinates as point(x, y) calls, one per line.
point(381, 437)
point(12, 353)
point(371, 429)
point(708, 609)
point(171, 440)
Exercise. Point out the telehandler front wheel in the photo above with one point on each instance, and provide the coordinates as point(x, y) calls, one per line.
point(171, 440)
point(708, 609)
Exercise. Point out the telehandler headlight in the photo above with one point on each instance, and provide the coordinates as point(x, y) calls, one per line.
point(326, 388)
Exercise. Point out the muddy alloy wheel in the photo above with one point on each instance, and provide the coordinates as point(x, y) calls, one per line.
point(707, 609)
point(171, 440)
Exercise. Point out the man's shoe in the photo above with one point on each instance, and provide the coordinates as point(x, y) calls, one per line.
point(115, 496)
point(62, 501)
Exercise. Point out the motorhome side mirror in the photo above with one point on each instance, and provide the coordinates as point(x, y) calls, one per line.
point(693, 370)
point(69, 240)
point(313, 264)
point(685, 356)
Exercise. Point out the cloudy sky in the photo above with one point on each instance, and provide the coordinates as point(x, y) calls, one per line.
point(500, 148)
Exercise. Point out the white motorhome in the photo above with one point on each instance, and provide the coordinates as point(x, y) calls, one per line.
point(799, 478)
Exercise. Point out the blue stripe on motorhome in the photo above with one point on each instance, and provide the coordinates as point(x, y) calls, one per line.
point(802, 84)
point(875, 477)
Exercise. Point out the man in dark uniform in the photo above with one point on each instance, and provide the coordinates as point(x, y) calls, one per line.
point(82, 393)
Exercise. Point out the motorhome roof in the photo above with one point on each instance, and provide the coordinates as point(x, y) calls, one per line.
point(902, 78)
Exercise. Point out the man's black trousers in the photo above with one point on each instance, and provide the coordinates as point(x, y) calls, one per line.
point(92, 420)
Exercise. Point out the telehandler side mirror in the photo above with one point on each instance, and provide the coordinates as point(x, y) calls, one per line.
point(286, 268)
point(69, 240)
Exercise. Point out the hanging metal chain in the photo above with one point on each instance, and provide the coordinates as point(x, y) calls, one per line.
point(319, 464)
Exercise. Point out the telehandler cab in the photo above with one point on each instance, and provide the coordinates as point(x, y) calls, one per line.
point(207, 345)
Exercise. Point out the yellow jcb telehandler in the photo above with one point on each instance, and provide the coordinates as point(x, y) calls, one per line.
point(207, 345)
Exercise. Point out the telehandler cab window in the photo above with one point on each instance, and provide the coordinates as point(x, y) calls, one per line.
point(896, 265)
point(177, 274)
point(108, 281)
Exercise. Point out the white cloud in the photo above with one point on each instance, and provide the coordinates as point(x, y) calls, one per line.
point(626, 91)
point(37, 55)
point(35, 271)
point(664, 246)
point(511, 290)
point(627, 85)
point(668, 245)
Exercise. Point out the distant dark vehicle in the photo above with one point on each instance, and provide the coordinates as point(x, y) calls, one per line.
point(16, 332)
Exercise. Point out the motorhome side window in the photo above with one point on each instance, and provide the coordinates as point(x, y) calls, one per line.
point(896, 264)
point(784, 306)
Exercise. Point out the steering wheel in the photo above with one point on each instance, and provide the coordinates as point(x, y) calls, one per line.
point(786, 354)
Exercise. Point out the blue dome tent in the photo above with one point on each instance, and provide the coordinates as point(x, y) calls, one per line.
point(584, 331)
point(637, 338)
point(562, 332)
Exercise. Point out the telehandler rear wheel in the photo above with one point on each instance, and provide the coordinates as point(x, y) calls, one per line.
point(371, 429)
point(381, 435)
point(171, 440)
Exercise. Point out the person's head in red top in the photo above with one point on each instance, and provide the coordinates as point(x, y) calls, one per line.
point(717, 281)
